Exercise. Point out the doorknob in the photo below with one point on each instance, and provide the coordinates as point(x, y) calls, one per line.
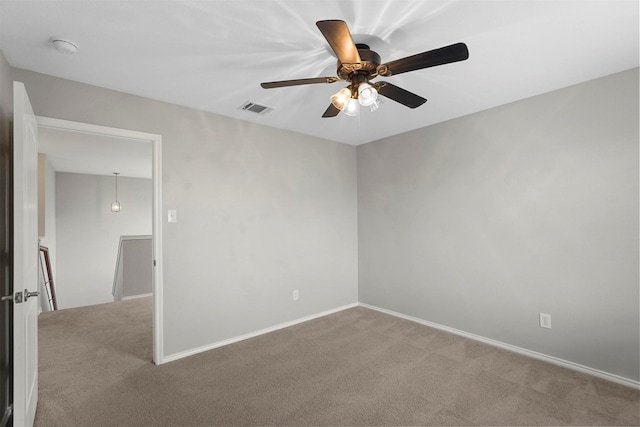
point(28, 294)
point(17, 298)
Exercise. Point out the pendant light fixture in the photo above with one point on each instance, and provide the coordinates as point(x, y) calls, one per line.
point(115, 206)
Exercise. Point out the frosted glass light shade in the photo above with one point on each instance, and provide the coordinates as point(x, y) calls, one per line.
point(352, 108)
point(375, 105)
point(367, 95)
point(115, 206)
point(341, 98)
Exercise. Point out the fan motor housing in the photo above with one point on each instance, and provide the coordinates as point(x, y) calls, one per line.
point(369, 61)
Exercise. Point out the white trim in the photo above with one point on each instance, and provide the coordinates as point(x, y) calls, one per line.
point(158, 276)
point(187, 353)
point(137, 237)
point(137, 296)
point(523, 351)
point(52, 123)
point(156, 175)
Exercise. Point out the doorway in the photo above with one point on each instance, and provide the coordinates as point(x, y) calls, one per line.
point(116, 134)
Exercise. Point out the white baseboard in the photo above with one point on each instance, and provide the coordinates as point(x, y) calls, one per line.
point(523, 351)
point(183, 354)
point(136, 296)
point(530, 353)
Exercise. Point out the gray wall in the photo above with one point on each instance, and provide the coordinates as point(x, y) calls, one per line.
point(137, 267)
point(478, 224)
point(47, 222)
point(49, 237)
point(261, 212)
point(482, 222)
point(88, 233)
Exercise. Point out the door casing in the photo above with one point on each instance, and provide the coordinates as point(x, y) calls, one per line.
point(156, 141)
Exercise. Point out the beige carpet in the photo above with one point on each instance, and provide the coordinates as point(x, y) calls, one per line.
point(356, 367)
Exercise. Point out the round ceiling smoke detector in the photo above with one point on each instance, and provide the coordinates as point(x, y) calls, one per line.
point(64, 46)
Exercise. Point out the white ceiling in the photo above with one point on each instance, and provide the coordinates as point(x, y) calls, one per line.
point(212, 55)
point(94, 154)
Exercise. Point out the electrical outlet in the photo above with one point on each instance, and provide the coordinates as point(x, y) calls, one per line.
point(545, 321)
point(296, 295)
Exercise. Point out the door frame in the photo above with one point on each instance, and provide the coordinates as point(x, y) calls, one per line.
point(156, 174)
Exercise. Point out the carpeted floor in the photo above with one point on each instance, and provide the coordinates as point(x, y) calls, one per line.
point(356, 367)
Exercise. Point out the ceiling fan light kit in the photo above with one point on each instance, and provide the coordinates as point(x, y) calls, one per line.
point(341, 98)
point(367, 95)
point(358, 65)
point(373, 107)
point(352, 108)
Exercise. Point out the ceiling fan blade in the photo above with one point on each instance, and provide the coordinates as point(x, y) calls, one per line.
point(339, 37)
point(444, 55)
point(400, 95)
point(332, 111)
point(298, 82)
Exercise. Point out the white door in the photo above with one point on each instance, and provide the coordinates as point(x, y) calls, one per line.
point(25, 255)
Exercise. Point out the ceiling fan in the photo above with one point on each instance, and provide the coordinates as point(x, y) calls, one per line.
point(358, 65)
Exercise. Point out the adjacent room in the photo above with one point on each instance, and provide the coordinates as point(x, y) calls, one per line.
point(90, 243)
point(386, 212)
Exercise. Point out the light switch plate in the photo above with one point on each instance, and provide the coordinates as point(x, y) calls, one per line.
point(545, 320)
point(172, 215)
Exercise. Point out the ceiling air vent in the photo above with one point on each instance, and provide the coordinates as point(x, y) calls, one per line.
point(255, 108)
